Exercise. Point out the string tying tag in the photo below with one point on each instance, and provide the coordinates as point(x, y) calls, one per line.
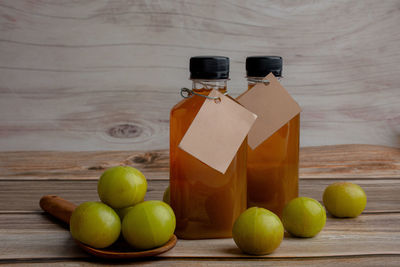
point(254, 80)
point(186, 93)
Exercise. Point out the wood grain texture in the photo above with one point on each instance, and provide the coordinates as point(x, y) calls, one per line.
point(383, 194)
point(103, 75)
point(345, 261)
point(365, 235)
point(335, 162)
point(349, 161)
point(31, 237)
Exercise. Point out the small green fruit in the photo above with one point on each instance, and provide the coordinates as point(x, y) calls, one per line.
point(149, 224)
point(166, 196)
point(122, 212)
point(304, 217)
point(344, 199)
point(95, 224)
point(257, 231)
point(122, 186)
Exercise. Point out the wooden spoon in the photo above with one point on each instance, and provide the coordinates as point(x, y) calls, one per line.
point(62, 209)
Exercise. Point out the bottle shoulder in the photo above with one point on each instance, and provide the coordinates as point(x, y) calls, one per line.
point(180, 104)
point(191, 103)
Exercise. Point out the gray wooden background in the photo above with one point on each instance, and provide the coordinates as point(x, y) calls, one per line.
point(103, 75)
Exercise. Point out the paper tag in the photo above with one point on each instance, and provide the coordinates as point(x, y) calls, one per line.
point(217, 131)
point(273, 106)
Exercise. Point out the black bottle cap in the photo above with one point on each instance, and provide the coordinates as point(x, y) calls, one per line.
point(261, 66)
point(209, 67)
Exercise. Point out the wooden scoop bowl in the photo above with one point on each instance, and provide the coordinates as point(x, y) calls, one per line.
point(62, 210)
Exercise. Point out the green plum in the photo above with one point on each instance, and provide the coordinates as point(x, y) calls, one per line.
point(95, 224)
point(303, 217)
point(122, 186)
point(123, 211)
point(166, 196)
point(344, 199)
point(258, 231)
point(148, 225)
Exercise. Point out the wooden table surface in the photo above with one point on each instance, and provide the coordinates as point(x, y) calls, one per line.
point(28, 236)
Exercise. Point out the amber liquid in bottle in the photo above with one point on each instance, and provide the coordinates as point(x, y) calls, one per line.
point(273, 168)
point(206, 202)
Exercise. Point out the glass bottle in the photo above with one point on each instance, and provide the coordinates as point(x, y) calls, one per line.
point(206, 202)
point(273, 166)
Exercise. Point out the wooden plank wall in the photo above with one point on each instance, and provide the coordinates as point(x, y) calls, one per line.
point(103, 75)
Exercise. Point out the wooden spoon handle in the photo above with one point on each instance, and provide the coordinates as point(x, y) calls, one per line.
point(58, 207)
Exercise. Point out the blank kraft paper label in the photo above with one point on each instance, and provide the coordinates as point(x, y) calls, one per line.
point(217, 131)
point(274, 108)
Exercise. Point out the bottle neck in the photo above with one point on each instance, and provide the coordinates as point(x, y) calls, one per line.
point(204, 87)
point(251, 83)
